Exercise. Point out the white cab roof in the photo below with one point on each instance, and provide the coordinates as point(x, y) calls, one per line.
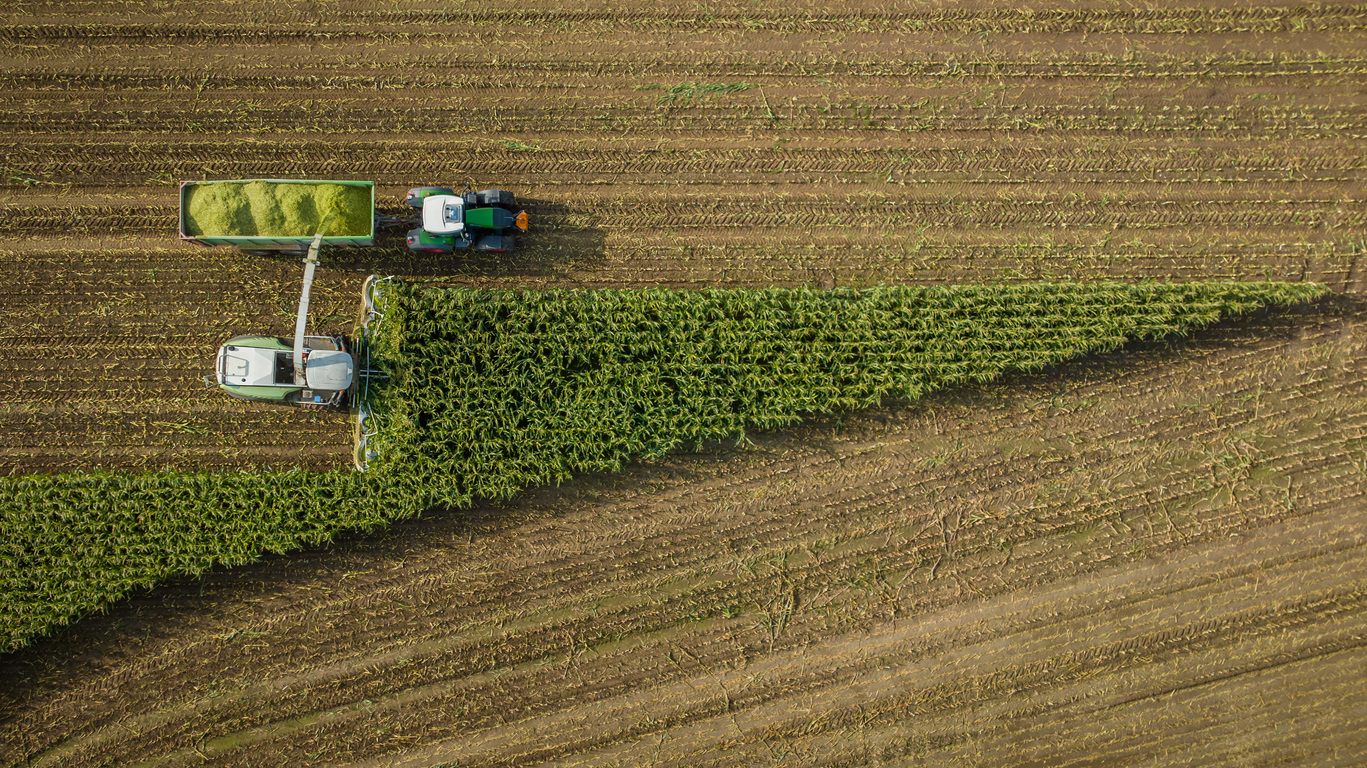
point(443, 214)
point(328, 369)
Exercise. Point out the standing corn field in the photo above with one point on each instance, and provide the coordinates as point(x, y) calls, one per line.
point(493, 391)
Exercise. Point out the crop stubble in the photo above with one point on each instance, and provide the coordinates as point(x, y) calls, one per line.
point(1164, 537)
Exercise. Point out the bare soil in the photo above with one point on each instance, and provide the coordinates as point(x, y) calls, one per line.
point(1153, 557)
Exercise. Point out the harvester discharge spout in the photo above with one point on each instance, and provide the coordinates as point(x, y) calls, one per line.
point(310, 263)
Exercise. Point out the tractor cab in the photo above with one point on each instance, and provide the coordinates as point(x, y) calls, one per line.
point(444, 215)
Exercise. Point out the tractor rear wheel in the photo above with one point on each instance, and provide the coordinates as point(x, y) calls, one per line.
point(501, 198)
point(495, 243)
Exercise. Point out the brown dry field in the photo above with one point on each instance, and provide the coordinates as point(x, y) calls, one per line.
point(1154, 557)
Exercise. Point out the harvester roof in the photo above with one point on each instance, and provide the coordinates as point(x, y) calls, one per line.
point(269, 362)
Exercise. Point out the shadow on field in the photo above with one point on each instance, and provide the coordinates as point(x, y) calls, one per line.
point(551, 244)
point(199, 608)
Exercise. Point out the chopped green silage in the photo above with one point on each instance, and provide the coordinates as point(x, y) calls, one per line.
point(265, 209)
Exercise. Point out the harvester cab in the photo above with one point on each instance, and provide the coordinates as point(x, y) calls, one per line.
point(480, 221)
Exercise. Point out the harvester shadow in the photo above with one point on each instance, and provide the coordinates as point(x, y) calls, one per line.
point(196, 606)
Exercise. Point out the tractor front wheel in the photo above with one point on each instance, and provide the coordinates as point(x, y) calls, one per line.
point(419, 241)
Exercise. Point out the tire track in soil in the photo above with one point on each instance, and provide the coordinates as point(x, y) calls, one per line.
point(572, 589)
point(120, 165)
point(457, 78)
point(717, 122)
point(860, 84)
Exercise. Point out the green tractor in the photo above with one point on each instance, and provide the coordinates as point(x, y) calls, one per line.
point(479, 221)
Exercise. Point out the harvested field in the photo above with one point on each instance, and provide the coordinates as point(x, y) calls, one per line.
point(1155, 556)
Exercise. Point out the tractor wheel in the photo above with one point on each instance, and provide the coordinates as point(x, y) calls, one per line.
point(417, 194)
point(501, 198)
point(494, 243)
point(421, 242)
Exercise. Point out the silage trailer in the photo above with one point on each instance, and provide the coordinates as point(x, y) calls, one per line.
point(263, 216)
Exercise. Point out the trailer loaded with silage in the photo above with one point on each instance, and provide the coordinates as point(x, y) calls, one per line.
point(272, 215)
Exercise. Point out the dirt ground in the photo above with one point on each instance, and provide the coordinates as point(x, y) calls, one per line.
point(1155, 557)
